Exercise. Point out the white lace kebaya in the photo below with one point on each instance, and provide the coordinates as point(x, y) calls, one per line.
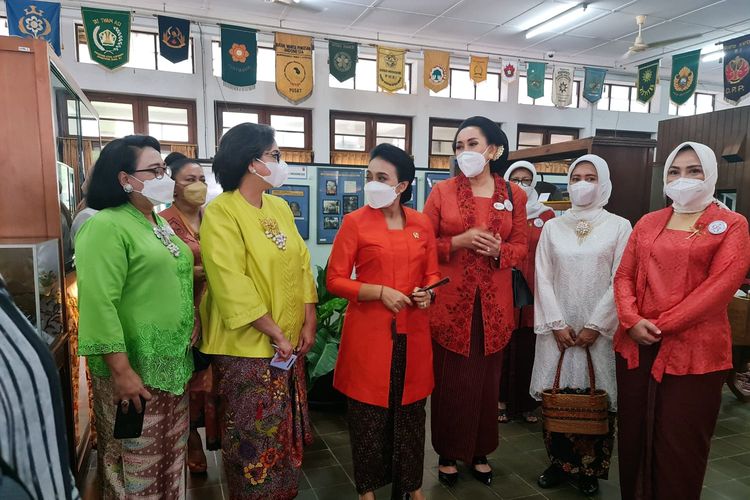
point(574, 288)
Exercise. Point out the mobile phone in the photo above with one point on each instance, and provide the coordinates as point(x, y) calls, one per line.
point(129, 425)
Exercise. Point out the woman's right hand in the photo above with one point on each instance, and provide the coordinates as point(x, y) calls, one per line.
point(565, 338)
point(394, 300)
point(466, 239)
point(645, 333)
point(283, 347)
point(128, 386)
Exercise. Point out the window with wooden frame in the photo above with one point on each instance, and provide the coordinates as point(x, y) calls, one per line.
point(293, 126)
point(442, 132)
point(171, 121)
point(461, 86)
point(630, 134)
point(531, 136)
point(621, 98)
point(697, 104)
point(365, 77)
point(144, 52)
point(353, 135)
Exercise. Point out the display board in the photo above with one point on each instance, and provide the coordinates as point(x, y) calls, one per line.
point(340, 191)
point(298, 198)
point(414, 195)
point(432, 178)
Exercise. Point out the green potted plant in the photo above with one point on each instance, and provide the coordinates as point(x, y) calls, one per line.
point(321, 360)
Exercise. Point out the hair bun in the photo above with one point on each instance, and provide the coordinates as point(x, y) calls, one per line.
point(173, 157)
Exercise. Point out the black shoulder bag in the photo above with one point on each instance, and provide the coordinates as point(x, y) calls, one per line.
point(522, 295)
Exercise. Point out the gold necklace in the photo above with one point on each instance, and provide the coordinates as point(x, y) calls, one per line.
point(273, 233)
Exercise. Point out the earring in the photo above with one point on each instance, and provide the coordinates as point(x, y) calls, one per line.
point(499, 153)
point(127, 188)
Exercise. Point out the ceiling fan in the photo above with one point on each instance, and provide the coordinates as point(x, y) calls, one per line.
point(640, 46)
point(298, 4)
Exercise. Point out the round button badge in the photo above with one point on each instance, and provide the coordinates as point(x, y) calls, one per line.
point(538, 222)
point(498, 206)
point(717, 227)
point(508, 205)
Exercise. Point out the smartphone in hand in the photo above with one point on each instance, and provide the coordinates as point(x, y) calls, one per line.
point(129, 425)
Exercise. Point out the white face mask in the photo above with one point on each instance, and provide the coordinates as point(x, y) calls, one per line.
point(472, 163)
point(687, 195)
point(582, 193)
point(279, 173)
point(158, 191)
point(527, 189)
point(380, 195)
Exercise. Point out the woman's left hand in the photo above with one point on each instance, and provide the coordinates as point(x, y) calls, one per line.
point(196, 335)
point(587, 337)
point(488, 245)
point(421, 298)
point(306, 339)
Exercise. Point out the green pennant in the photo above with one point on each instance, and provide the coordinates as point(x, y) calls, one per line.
point(535, 79)
point(684, 76)
point(342, 59)
point(107, 36)
point(239, 57)
point(648, 77)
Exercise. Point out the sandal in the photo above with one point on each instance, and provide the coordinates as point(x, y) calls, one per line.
point(502, 416)
point(530, 418)
point(196, 459)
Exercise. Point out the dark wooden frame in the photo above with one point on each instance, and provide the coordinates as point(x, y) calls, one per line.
point(546, 131)
point(440, 122)
point(264, 116)
point(371, 120)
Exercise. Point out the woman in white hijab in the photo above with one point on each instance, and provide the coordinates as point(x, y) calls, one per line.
point(574, 310)
point(518, 357)
point(679, 272)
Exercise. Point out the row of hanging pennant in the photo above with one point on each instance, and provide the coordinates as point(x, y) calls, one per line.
point(108, 40)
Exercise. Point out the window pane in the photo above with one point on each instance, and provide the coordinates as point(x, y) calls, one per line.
point(164, 132)
point(443, 133)
point(288, 123)
point(523, 94)
point(352, 127)
point(704, 103)
point(290, 139)
point(4, 27)
point(603, 103)
point(142, 51)
point(672, 109)
point(216, 58)
point(530, 138)
point(462, 86)
point(366, 75)
point(555, 138)
point(442, 148)
point(576, 94)
point(407, 80)
point(266, 65)
point(687, 109)
point(489, 90)
point(185, 66)
point(115, 128)
point(168, 115)
point(231, 118)
point(620, 98)
point(114, 110)
point(399, 143)
point(349, 142)
point(89, 128)
point(391, 129)
point(446, 92)
point(637, 106)
point(334, 83)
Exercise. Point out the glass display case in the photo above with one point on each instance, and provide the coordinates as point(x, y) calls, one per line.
point(31, 270)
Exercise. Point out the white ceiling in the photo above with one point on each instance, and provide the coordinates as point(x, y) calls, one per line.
point(600, 36)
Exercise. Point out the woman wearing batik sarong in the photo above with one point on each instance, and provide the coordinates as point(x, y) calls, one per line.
point(385, 358)
point(260, 302)
point(135, 283)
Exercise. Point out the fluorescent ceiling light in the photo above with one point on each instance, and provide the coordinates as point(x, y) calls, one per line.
point(551, 11)
point(563, 19)
point(714, 56)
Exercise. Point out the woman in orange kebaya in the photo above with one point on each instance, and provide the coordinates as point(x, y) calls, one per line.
point(680, 269)
point(384, 365)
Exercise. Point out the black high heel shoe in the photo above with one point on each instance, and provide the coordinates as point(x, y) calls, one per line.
point(483, 477)
point(448, 479)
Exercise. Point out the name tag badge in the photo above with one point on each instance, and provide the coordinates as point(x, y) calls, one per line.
point(538, 222)
point(498, 206)
point(717, 227)
point(277, 362)
point(508, 205)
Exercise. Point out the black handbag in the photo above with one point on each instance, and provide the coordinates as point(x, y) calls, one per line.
point(522, 295)
point(201, 360)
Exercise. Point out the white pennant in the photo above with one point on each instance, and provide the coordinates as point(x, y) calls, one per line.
point(509, 69)
point(562, 86)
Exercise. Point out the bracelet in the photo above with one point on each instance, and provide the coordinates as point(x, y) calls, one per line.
point(381, 293)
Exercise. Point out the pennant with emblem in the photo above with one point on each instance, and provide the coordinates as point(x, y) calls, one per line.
point(391, 69)
point(239, 57)
point(342, 59)
point(510, 69)
point(535, 79)
point(174, 38)
point(684, 76)
point(593, 84)
point(648, 78)
point(562, 86)
point(736, 69)
point(29, 19)
point(436, 69)
point(294, 70)
point(478, 68)
point(107, 36)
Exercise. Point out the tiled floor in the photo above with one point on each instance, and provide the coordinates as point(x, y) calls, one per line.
point(520, 458)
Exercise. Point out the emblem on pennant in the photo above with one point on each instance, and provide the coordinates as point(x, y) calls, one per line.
point(342, 59)
point(32, 19)
point(736, 69)
point(107, 35)
point(294, 76)
point(391, 69)
point(684, 76)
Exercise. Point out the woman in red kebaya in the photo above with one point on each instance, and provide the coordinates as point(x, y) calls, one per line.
point(680, 269)
point(518, 358)
point(481, 235)
point(384, 364)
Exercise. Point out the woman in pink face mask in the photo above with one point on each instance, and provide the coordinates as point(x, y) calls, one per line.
point(680, 270)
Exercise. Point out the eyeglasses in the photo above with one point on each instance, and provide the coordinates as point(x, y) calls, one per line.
point(157, 171)
point(521, 182)
point(276, 155)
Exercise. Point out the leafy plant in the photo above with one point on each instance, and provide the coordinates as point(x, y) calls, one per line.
point(321, 359)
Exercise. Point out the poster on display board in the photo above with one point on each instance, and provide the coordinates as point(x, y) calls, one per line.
point(298, 198)
point(432, 178)
point(340, 191)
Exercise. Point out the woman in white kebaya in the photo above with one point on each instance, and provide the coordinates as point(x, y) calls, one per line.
point(574, 309)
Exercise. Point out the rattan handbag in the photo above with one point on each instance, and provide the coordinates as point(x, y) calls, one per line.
point(575, 411)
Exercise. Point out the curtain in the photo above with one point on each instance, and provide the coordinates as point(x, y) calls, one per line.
point(440, 161)
point(297, 156)
point(350, 157)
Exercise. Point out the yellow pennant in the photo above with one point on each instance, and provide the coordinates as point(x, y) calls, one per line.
point(436, 69)
point(478, 68)
point(391, 69)
point(294, 71)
